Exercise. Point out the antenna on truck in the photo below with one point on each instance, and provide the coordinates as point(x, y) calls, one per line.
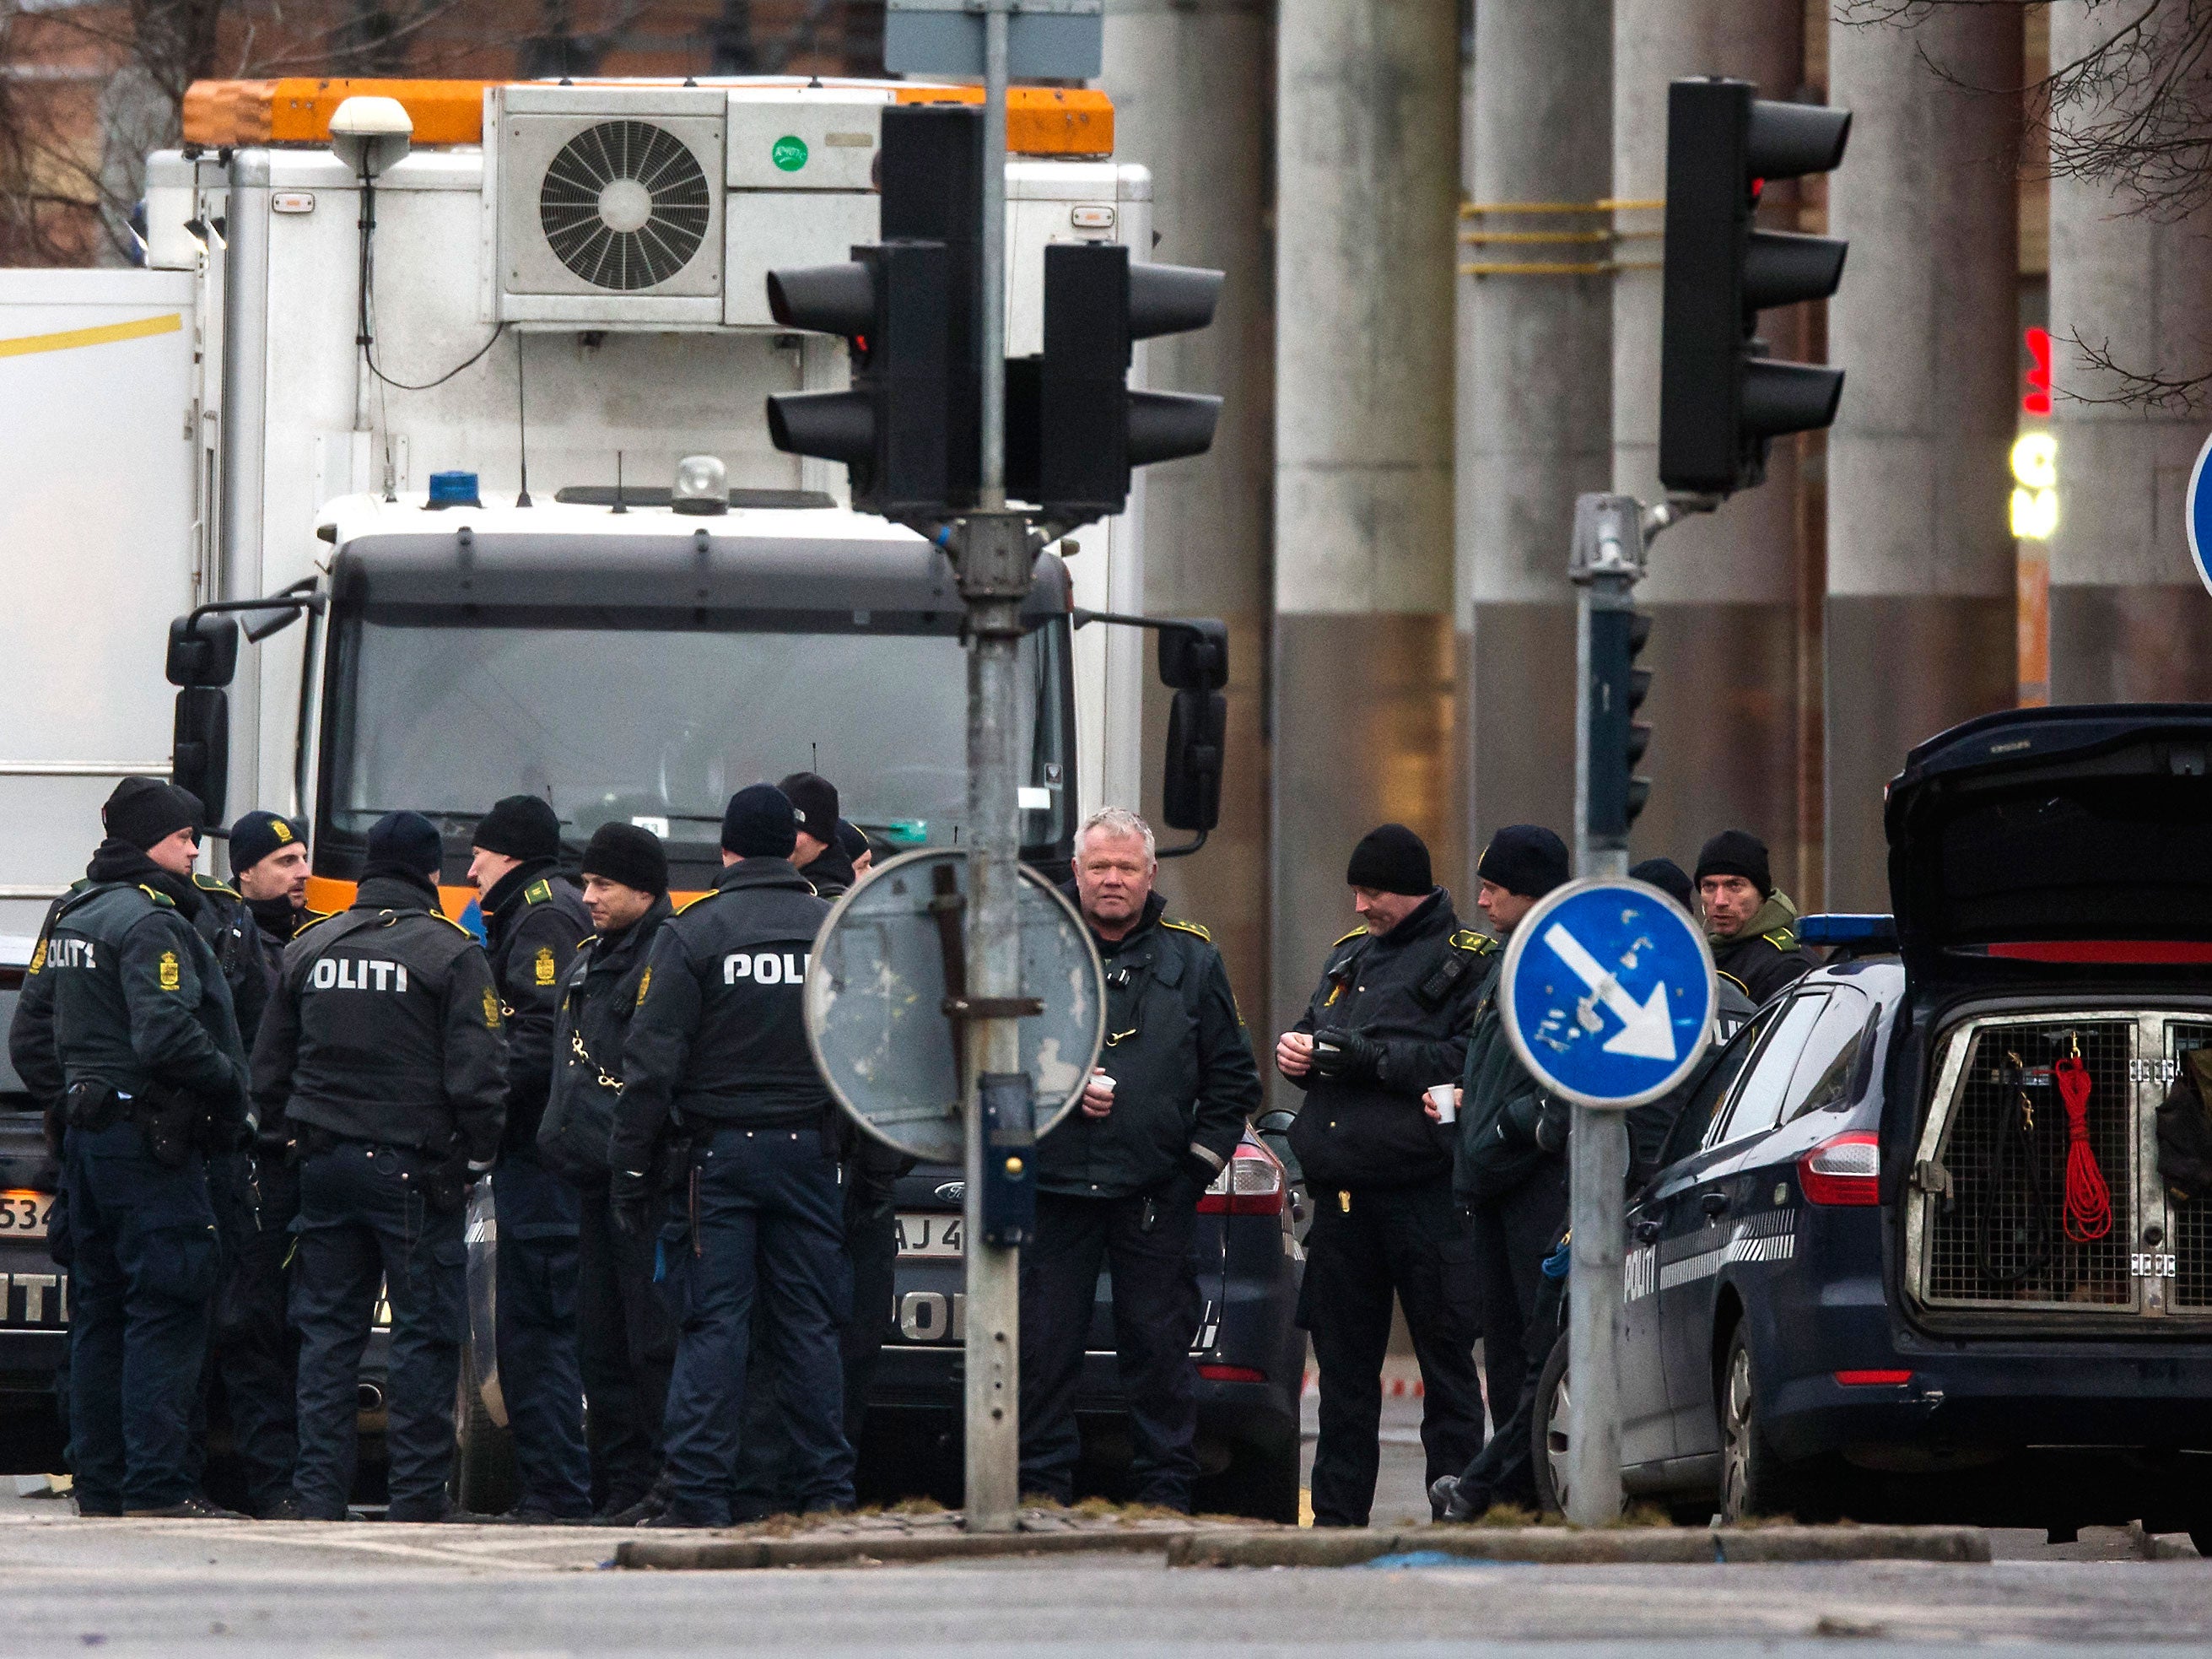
point(619, 508)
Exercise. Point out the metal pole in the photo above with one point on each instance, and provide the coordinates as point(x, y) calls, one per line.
point(1606, 561)
point(994, 575)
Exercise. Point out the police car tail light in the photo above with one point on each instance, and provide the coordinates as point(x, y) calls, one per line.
point(1251, 1184)
point(1844, 1168)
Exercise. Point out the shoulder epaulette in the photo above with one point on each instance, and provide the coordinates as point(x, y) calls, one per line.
point(1734, 980)
point(210, 884)
point(1782, 938)
point(538, 892)
point(1351, 936)
point(455, 926)
point(157, 896)
point(1181, 926)
point(1480, 944)
point(315, 916)
point(312, 921)
point(698, 898)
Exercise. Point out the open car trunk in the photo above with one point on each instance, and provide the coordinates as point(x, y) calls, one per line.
point(2051, 872)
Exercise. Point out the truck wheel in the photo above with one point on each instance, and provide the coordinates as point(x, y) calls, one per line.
point(1755, 1481)
point(483, 1453)
point(1260, 1484)
point(1548, 1430)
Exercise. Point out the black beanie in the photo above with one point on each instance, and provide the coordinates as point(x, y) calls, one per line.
point(759, 824)
point(404, 842)
point(1391, 859)
point(852, 840)
point(1667, 876)
point(627, 854)
point(813, 800)
point(520, 827)
point(1737, 853)
point(256, 835)
point(143, 812)
point(1526, 858)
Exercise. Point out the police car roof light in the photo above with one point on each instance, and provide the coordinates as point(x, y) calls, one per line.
point(452, 489)
point(1867, 932)
point(703, 486)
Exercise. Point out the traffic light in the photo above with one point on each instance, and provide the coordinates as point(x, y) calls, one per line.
point(1617, 739)
point(1073, 428)
point(1720, 397)
point(908, 309)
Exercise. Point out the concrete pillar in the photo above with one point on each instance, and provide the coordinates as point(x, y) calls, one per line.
point(2128, 621)
point(1920, 614)
point(1366, 186)
point(1191, 92)
point(1535, 402)
point(1722, 588)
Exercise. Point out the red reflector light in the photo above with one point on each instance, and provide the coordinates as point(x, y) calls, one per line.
point(1873, 1379)
point(2118, 952)
point(1844, 1168)
point(1252, 1184)
point(1231, 1374)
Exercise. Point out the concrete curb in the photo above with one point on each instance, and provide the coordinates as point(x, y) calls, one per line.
point(1286, 1546)
point(1564, 1546)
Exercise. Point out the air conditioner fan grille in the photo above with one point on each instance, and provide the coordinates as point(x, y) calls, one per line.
point(624, 205)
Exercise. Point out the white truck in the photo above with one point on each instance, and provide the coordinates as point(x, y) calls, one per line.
point(335, 412)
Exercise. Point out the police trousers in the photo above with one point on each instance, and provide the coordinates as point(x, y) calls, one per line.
point(146, 1258)
point(363, 1219)
point(625, 1346)
point(1144, 1245)
point(253, 1368)
point(1504, 1472)
point(1513, 1233)
point(761, 1217)
point(1367, 1244)
point(535, 1321)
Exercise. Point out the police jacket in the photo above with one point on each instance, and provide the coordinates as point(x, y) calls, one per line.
point(128, 994)
point(719, 1036)
point(1502, 1111)
point(31, 1033)
point(385, 1027)
point(830, 875)
point(248, 937)
point(1766, 955)
point(534, 918)
point(1181, 1061)
point(598, 996)
point(1412, 990)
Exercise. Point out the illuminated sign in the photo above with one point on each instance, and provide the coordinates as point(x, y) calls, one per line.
point(2035, 486)
point(2037, 398)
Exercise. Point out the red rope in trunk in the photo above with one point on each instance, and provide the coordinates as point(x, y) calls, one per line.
point(2088, 1200)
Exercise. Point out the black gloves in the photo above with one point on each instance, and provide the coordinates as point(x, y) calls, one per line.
point(1341, 1053)
point(632, 1194)
point(1199, 1169)
point(1535, 1120)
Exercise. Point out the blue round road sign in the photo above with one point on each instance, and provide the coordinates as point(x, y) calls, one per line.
point(2198, 518)
point(1608, 991)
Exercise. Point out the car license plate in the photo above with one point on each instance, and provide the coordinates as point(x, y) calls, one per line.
point(23, 1214)
point(922, 1234)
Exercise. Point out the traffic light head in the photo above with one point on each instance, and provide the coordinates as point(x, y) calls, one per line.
point(1721, 399)
point(1617, 739)
point(1073, 428)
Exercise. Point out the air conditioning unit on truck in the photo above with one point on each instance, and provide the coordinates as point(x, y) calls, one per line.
point(329, 402)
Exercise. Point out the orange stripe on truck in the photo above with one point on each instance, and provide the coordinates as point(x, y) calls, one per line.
point(68, 339)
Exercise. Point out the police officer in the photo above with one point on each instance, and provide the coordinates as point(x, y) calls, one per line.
point(1509, 1172)
point(820, 851)
point(859, 852)
point(381, 1050)
point(130, 1025)
point(1389, 1020)
point(718, 1057)
point(625, 1339)
point(1119, 1179)
point(1751, 925)
point(253, 1353)
point(534, 918)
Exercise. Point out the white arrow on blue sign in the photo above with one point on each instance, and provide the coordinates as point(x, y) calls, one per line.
point(2198, 518)
point(1608, 991)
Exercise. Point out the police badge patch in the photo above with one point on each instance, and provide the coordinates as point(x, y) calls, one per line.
point(544, 964)
point(644, 985)
point(491, 1009)
point(171, 974)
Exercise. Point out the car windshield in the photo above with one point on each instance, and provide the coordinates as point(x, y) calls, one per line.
point(658, 727)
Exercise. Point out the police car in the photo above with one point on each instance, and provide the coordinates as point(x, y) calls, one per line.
point(33, 1292)
point(1249, 1352)
point(1910, 1252)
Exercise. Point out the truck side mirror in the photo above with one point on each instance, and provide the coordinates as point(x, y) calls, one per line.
point(1194, 656)
point(199, 758)
point(203, 651)
point(1190, 792)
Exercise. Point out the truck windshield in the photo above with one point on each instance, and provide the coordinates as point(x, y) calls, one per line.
point(658, 728)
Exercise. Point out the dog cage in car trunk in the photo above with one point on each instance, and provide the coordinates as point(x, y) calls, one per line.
point(1987, 1219)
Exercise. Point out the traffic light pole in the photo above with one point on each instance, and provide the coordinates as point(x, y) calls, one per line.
point(994, 560)
point(1610, 535)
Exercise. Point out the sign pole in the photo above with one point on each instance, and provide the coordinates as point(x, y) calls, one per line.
point(1607, 560)
point(994, 578)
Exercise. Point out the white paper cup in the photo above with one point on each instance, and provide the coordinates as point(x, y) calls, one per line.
point(1440, 1097)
